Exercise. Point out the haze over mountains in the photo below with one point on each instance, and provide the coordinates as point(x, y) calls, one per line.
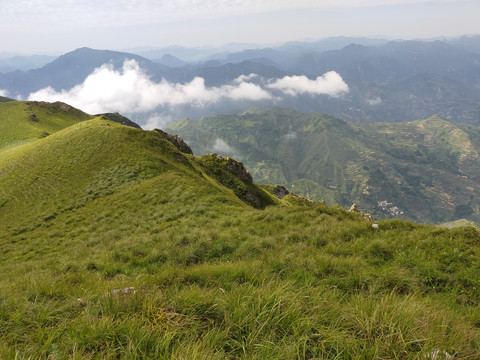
point(369, 80)
point(11, 62)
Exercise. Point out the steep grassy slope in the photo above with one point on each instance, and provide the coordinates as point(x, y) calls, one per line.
point(88, 160)
point(426, 170)
point(114, 244)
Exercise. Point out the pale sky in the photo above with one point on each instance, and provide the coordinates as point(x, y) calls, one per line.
point(58, 26)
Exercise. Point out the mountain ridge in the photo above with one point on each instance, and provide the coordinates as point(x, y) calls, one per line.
point(425, 169)
point(86, 147)
point(388, 81)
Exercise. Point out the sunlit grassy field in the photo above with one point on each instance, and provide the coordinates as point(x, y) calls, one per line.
point(113, 244)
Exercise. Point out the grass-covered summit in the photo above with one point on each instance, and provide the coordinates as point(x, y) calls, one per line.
point(26, 121)
point(117, 243)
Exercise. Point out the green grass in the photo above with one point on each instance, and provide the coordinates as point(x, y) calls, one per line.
point(25, 121)
point(116, 245)
point(278, 283)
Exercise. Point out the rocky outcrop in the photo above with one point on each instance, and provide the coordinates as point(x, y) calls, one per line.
point(280, 191)
point(120, 119)
point(236, 168)
point(232, 174)
point(354, 208)
point(65, 107)
point(232, 166)
point(176, 140)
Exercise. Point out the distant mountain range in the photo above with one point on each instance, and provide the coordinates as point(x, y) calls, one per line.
point(24, 63)
point(426, 170)
point(67, 71)
point(388, 80)
point(72, 68)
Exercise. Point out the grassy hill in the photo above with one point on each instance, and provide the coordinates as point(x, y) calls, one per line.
point(24, 122)
point(117, 244)
point(5, 99)
point(425, 170)
point(27, 121)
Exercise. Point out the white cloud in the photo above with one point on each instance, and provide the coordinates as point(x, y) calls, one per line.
point(221, 147)
point(154, 104)
point(377, 100)
point(330, 83)
point(243, 78)
point(158, 121)
point(131, 90)
point(290, 135)
point(246, 91)
point(3, 92)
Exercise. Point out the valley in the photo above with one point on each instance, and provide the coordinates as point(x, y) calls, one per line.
point(425, 170)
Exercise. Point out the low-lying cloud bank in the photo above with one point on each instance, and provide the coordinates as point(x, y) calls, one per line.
point(3, 92)
point(221, 147)
point(330, 83)
point(130, 90)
